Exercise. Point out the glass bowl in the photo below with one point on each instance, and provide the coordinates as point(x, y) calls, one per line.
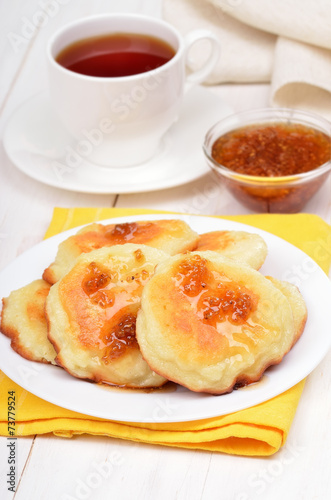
point(275, 194)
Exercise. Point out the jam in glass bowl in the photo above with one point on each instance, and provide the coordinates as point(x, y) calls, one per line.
point(271, 160)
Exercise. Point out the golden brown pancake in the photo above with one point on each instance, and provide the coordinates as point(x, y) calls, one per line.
point(92, 312)
point(23, 321)
point(248, 248)
point(171, 236)
point(211, 324)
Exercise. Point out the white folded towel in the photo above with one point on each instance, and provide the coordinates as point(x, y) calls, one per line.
point(285, 42)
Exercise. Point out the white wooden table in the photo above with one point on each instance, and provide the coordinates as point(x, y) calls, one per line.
point(53, 468)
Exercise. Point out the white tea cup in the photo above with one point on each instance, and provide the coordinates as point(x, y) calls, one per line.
point(119, 121)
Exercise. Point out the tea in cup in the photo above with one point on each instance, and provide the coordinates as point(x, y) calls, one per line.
point(117, 82)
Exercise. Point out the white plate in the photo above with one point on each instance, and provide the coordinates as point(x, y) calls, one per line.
point(53, 384)
point(38, 145)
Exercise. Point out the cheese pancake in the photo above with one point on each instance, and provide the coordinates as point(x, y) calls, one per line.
point(92, 312)
point(23, 321)
point(211, 324)
point(248, 248)
point(171, 236)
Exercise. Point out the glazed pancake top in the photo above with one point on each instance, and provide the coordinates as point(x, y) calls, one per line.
point(171, 236)
point(210, 324)
point(92, 315)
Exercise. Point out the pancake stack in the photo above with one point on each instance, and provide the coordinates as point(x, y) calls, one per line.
point(140, 303)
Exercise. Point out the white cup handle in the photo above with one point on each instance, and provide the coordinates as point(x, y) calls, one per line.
point(201, 74)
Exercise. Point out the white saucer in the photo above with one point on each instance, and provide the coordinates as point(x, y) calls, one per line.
point(37, 144)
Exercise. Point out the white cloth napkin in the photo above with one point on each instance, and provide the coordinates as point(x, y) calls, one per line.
point(285, 42)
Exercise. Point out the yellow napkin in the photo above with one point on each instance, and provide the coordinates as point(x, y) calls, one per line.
point(260, 430)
